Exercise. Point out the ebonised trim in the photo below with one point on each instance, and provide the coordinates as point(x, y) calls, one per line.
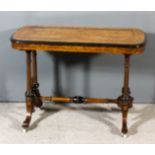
point(78, 43)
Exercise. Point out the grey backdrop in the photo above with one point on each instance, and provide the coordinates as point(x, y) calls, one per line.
point(78, 74)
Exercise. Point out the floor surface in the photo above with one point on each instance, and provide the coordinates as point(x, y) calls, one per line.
point(97, 124)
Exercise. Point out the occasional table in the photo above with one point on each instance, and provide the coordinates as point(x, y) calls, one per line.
point(122, 41)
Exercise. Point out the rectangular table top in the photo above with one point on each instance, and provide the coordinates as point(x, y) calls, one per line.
point(79, 39)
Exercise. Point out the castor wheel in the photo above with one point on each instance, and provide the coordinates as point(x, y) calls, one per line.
point(124, 135)
point(25, 130)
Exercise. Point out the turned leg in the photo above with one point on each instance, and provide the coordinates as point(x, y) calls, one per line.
point(35, 84)
point(28, 94)
point(125, 100)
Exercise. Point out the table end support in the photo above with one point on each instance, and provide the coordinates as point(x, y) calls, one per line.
point(125, 100)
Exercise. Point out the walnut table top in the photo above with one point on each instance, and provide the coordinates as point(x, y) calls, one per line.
point(79, 39)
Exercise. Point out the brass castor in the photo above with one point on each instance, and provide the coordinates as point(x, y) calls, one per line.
point(25, 130)
point(124, 135)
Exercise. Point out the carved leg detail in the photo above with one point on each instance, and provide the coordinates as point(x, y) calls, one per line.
point(36, 93)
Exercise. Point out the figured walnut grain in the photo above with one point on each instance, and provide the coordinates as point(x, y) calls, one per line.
point(79, 39)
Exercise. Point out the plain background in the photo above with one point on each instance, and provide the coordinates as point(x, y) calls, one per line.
point(78, 74)
point(82, 4)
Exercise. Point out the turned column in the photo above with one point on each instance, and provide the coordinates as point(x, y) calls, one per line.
point(28, 94)
point(125, 100)
point(35, 84)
